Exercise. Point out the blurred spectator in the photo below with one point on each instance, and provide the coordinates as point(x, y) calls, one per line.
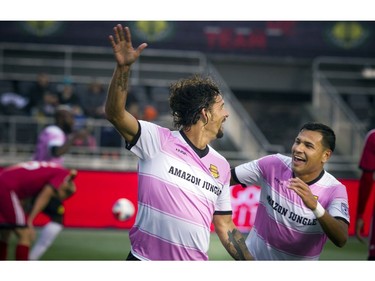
point(133, 105)
point(46, 107)
point(13, 102)
point(68, 96)
point(36, 92)
point(144, 111)
point(150, 113)
point(86, 141)
point(93, 100)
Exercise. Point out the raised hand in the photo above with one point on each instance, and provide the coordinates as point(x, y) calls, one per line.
point(123, 50)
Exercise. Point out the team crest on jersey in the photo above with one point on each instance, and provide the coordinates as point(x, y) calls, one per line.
point(345, 209)
point(214, 171)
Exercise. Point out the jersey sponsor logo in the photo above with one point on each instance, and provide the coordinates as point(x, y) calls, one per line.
point(184, 175)
point(195, 180)
point(210, 187)
point(292, 216)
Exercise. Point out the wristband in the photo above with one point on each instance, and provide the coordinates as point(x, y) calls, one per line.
point(319, 211)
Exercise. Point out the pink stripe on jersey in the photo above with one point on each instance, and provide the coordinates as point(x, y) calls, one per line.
point(277, 181)
point(173, 200)
point(283, 221)
point(156, 248)
point(301, 244)
point(178, 192)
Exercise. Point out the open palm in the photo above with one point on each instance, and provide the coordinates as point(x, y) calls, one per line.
point(123, 50)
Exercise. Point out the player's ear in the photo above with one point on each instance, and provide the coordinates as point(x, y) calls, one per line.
point(206, 115)
point(326, 155)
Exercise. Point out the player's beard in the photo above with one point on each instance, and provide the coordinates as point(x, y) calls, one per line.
point(220, 134)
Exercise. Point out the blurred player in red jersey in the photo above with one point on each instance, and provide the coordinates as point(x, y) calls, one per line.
point(54, 142)
point(43, 180)
point(367, 165)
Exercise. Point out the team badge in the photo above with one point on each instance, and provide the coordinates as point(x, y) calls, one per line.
point(214, 171)
point(345, 209)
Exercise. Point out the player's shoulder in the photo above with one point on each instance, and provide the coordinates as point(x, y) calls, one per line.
point(276, 158)
point(330, 180)
point(53, 129)
point(371, 134)
point(146, 125)
point(213, 152)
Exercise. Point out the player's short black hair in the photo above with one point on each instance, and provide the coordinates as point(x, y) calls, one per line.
point(329, 137)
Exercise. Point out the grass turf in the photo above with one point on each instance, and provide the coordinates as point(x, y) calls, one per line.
point(113, 244)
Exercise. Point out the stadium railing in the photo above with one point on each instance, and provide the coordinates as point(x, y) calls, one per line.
point(155, 68)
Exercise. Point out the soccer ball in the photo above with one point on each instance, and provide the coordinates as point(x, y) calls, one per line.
point(123, 209)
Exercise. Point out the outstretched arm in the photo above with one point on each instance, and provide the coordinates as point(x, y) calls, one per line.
point(125, 55)
point(232, 239)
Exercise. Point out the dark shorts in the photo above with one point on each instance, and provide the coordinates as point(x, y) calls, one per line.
point(131, 257)
point(54, 210)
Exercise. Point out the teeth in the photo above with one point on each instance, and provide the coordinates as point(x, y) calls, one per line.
point(298, 158)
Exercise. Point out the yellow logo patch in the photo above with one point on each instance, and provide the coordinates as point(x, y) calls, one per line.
point(214, 171)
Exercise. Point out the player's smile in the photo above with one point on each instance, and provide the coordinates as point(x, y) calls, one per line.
point(298, 160)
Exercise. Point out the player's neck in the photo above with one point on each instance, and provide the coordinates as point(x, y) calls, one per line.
point(195, 138)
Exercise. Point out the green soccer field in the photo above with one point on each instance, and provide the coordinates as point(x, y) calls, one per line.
point(113, 244)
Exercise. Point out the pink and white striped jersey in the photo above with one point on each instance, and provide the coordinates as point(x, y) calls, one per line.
point(178, 193)
point(51, 136)
point(284, 228)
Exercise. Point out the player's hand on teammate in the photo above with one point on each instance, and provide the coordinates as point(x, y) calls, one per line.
point(123, 50)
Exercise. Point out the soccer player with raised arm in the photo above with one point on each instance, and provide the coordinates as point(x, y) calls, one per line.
point(183, 183)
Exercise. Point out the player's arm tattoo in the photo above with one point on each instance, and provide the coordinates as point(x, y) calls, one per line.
point(236, 246)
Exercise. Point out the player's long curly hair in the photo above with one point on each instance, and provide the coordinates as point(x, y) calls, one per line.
point(188, 97)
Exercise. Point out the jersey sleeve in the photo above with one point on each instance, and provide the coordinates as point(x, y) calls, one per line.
point(339, 206)
point(148, 142)
point(248, 173)
point(56, 137)
point(223, 202)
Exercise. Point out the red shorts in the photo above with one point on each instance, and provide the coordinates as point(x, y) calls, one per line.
point(11, 211)
point(367, 161)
